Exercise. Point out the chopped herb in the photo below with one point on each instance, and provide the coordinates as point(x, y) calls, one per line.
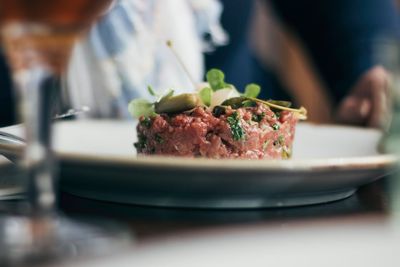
point(146, 122)
point(275, 127)
point(159, 139)
point(252, 90)
point(258, 117)
point(236, 128)
point(141, 143)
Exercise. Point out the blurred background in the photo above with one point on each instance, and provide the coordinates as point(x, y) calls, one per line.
point(338, 58)
point(319, 54)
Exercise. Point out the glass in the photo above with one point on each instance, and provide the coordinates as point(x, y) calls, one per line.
point(388, 52)
point(37, 37)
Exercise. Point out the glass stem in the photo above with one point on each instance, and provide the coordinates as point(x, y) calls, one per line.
point(35, 85)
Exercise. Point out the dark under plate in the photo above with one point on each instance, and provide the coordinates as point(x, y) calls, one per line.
point(211, 188)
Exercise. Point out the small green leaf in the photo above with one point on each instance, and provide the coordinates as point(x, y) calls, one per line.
point(141, 107)
point(215, 79)
point(151, 90)
point(205, 96)
point(252, 90)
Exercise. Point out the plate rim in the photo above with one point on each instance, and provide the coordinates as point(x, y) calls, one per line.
point(368, 162)
point(378, 161)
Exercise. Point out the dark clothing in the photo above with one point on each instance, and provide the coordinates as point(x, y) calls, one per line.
point(7, 114)
point(236, 59)
point(340, 36)
point(343, 37)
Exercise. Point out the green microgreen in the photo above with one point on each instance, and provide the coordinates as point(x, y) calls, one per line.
point(216, 79)
point(205, 96)
point(252, 90)
point(141, 107)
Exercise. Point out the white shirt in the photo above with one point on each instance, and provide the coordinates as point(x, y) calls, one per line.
point(126, 51)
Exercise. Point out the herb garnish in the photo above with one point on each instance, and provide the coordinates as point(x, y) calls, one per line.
point(146, 122)
point(159, 139)
point(216, 79)
point(141, 107)
point(236, 127)
point(205, 96)
point(258, 117)
point(208, 97)
point(141, 143)
point(252, 90)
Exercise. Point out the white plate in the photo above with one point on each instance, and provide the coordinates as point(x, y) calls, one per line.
point(98, 161)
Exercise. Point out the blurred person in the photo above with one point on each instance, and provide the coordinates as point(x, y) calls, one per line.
point(319, 53)
point(322, 54)
point(7, 112)
point(126, 51)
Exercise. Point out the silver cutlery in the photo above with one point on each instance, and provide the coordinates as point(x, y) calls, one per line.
point(9, 138)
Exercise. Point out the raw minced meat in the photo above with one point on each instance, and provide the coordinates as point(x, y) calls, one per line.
point(248, 132)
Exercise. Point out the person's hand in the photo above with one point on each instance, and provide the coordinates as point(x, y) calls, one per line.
point(367, 103)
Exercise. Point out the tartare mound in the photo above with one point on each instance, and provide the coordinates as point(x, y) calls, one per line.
point(255, 132)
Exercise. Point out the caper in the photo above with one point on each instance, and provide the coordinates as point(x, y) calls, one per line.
point(178, 103)
point(218, 111)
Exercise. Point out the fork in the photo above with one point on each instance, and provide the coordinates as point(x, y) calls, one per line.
point(9, 138)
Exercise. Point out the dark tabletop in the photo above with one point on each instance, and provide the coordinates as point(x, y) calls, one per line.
point(152, 222)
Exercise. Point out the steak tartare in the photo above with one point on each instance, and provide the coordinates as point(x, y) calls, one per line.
point(251, 133)
point(216, 122)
